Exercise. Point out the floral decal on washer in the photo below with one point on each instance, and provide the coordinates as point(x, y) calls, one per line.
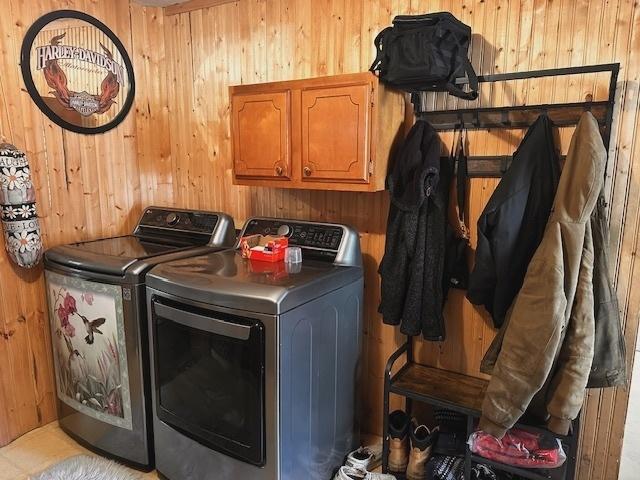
point(89, 348)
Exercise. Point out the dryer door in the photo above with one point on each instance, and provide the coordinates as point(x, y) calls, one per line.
point(209, 375)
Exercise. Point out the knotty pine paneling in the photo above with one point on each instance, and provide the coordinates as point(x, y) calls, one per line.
point(248, 41)
point(175, 148)
point(87, 187)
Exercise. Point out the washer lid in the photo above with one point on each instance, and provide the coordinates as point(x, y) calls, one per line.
point(111, 256)
point(228, 280)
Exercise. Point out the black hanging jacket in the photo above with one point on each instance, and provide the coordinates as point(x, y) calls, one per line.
point(412, 266)
point(513, 221)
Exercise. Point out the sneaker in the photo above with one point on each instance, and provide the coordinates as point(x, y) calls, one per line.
point(422, 440)
point(366, 458)
point(351, 473)
point(399, 425)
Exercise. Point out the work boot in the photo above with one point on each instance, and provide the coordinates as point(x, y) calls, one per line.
point(398, 441)
point(422, 440)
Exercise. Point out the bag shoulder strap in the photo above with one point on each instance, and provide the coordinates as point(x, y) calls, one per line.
point(453, 89)
point(459, 159)
point(461, 175)
point(378, 42)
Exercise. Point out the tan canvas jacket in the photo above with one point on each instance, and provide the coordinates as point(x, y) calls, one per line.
point(550, 327)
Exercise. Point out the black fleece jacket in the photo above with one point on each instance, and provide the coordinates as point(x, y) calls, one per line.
point(412, 266)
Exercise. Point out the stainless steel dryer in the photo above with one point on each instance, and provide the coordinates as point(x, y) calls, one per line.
point(97, 312)
point(255, 364)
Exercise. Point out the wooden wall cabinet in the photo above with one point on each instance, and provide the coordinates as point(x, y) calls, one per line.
point(327, 133)
point(261, 135)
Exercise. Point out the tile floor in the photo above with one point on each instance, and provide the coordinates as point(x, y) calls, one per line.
point(38, 450)
point(48, 445)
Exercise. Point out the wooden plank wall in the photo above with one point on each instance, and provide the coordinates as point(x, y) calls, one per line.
point(174, 149)
point(204, 51)
point(87, 187)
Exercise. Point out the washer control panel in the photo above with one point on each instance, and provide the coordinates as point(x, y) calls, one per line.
point(178, 220)
point(318, 236)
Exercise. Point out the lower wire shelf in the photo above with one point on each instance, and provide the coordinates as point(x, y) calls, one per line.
point(532, 474)
point(463, 394)
point(529, 473)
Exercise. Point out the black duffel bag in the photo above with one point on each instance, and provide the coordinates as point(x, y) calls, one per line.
point(426, 53)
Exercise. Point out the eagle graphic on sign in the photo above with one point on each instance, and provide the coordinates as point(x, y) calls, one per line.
point(83, 102)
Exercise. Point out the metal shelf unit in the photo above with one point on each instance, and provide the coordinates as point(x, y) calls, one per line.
point(463, 394)
point(451, 390)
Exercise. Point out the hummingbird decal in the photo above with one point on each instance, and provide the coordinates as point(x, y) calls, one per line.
point(92, 327)
point(72, 351)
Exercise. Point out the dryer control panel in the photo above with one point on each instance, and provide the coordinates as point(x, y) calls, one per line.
point(328, 242)
point(301, 234)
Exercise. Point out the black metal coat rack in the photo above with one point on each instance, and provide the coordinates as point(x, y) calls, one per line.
point(522, 116)
point(460, 393)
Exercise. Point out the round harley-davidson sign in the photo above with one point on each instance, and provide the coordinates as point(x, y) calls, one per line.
point(77, 71)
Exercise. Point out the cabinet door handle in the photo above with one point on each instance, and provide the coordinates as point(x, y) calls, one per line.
point(279, 171)
point(307, 171)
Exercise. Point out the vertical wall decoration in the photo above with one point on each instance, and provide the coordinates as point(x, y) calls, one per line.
point(22, 237)
point(77, 71)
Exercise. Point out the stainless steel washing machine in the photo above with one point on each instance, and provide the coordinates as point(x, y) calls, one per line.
point(97, 312)
point(255, 365)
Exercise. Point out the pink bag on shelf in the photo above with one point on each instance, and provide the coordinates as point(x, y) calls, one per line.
point(519, 448)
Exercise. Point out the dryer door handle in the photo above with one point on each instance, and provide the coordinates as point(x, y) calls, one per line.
point(202, 322)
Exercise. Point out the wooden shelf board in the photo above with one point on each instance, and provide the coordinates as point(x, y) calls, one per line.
point(433, 385)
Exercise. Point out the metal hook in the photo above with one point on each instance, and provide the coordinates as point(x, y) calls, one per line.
point(504, 118)
point(504, 164)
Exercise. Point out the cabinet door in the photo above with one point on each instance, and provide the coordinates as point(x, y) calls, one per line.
point(261, 137)
point(335, 133)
